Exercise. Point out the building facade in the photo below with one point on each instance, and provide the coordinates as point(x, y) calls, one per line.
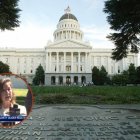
point(66, 60)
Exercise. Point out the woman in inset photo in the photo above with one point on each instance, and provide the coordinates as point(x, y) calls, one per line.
point(8, 104)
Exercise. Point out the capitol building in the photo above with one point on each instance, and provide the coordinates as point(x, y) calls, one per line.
point(66, 60)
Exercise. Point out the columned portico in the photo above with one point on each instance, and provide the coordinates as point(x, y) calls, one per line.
point(67, 79)
point(67, 62)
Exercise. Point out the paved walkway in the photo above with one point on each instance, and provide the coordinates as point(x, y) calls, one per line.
point(78, 122)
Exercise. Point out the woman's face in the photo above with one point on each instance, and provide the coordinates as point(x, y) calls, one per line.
point(7, 93)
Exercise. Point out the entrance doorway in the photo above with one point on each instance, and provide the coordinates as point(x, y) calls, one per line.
point(53, 80)
point(60, 80)
point(68, 80)
point(76, 80)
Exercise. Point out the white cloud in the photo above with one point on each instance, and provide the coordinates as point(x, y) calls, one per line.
point(31, 35)
point(92, 4)
point(97, 36)
point(36, 35)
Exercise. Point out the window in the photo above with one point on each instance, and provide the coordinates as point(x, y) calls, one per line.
point(18, 60)
point(6, 60)
point(76, 59)
point(68, 68)
point(24, 60)
point(60, 68)
point(60, 58)
point(118, 69)
point(112, 69)
point(98, 60)
point(32, 60)
point(81, 68)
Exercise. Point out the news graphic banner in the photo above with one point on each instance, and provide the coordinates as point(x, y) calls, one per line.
point(64, 122)
point(12, 118)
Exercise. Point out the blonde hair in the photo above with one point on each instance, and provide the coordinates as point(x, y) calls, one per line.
point(2, 83)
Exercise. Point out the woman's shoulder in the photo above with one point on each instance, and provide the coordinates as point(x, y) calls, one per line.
point(22, 109)
point(20, 106)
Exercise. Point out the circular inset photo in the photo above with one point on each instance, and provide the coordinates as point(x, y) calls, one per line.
point(16, 100)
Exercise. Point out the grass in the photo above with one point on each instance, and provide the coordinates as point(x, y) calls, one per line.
point(20, 95)
point(20, 92)
point(87, 95)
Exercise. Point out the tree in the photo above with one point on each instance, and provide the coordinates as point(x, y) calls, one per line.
point(103, 75)
point(124, 18)
point(95, 76)
point(138, 75)
point(4, 68)
point(120, 79)
point(39, 76)
point(9, 14)
point(116, 79)
point(125, 78)
point(132, 74)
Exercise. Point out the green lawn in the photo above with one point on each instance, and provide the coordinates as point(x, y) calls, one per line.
point(20, 95)
point(20, 92)
point(87, 95)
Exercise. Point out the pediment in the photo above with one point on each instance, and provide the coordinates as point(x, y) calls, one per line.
point(70, 45)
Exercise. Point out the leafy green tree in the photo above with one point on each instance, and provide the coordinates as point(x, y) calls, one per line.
point(124, 78)
point(95, 75)
point(4, 68)
point(138, 75)
point(124, 18)
point(9, 14)
point(132, 74)
point(103, 75)
point(116, 79)
point(39, 76)
point(120, 79)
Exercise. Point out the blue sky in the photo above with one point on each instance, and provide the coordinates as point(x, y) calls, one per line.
point(40, 17)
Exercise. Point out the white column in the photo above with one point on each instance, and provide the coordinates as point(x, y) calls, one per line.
point(71, 61)
point(64, 61)
point(66, 34)
point(64, 80)
point(50, 68)
point(72, 79)
point(86, 61)
point(57, 62)
point(46, 62)
point(135, 60)
point(92, 62)
point(78, 62)
point(123, 61)
point(101, 61)
point(89, 62)
point(57, 80)
point(62, 37)
point(79, 80)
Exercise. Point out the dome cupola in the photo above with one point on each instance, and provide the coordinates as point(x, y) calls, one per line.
point(68, 27)
point(68, 15)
